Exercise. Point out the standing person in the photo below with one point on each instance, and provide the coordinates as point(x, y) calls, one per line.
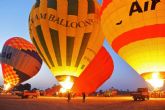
point(69, 96)
point(83, 95)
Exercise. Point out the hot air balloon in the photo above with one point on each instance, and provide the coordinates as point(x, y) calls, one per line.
point(100, 69)
point(20, 62)
point(136, 31)
point(67, 35)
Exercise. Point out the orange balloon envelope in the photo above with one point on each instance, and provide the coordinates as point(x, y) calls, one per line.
point(20, 61)
point(97, 72)
point(136, 31)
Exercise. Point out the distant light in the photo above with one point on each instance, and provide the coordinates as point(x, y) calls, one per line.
point(156, 81)
point(7, 86)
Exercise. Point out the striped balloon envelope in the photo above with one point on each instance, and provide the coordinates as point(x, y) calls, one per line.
point(136, 31)
point(20, 61)
point(67, 35)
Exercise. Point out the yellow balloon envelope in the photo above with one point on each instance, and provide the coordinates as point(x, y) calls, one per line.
point(67, 34)
point(136, 31)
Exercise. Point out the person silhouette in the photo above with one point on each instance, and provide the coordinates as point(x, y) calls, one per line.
point(69, 96)
point(83, 95)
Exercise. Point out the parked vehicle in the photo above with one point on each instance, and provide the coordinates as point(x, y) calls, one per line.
point(141, 94)
point(29, 94)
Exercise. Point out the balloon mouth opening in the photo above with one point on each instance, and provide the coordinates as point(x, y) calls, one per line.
point(7, 87)
point(156, 81)
point(66, 82)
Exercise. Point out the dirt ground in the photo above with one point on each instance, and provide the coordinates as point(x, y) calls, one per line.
point(92, 103)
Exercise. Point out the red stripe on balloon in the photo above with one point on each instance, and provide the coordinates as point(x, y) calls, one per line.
point(96, 73)
point(146, 32)
point(104, 5)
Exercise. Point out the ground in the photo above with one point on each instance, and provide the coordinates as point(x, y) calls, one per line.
point(92, 103)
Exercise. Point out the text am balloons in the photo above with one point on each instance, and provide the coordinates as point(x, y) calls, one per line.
point(20, 61)
point(100, 69)
point(66, 34)
point(136, 31)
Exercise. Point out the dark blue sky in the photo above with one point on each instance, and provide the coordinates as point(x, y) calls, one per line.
point(14, 22)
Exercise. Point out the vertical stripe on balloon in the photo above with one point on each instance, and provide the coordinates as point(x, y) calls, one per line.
point(56, 45)
point(52, 4)
point(70, 45)
point(84, 44)
point(72, 7)
point(37, 3)
point(43, 43)
point(91, 6)
point(39, 51)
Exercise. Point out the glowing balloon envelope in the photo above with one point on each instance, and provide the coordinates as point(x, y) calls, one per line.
point(20, 61)
point(67, 35)
point(136, 31)
point(100, 69)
